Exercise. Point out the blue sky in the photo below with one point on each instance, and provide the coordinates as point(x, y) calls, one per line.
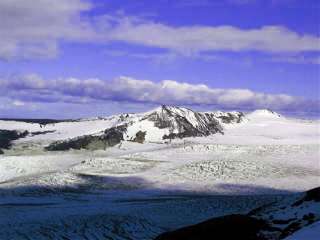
point(77, 58)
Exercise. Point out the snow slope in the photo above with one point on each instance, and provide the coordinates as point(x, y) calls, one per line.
point(263, 126)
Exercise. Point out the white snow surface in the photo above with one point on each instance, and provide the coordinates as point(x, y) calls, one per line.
point(63, 130)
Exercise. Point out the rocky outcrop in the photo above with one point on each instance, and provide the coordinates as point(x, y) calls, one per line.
point(7, 136)
point(235, 117)
point(140, 137)
point(109, 138)
point(183, 122)
point(41, 132)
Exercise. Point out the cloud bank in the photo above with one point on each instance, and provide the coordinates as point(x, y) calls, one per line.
point(33, 88)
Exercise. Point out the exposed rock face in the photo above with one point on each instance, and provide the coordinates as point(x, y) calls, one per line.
point(114, 135)
point(75, 143)
point(7, 136)
point(235, 117)
point(183, 122)
point(140, 137)
point(109, 138)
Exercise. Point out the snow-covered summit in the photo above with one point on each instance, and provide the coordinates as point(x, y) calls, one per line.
point(263, 113)
point(179, 122)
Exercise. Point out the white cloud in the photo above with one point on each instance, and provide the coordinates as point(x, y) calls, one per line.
point(18, 103)
point(167, 57)
point(33, 28)
point(192, 39)
point(33, 88)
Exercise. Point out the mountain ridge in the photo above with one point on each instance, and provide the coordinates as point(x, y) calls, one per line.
point(161, 124)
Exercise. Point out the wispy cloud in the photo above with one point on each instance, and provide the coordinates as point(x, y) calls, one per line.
point(209, 3)
point(166, 57)
point(33, 88)
point(296, 59)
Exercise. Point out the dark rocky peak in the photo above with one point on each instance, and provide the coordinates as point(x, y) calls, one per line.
point(183, 122)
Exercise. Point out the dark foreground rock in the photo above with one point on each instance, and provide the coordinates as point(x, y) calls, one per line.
point(311, 195)
point(274, 221)
point(226, 227)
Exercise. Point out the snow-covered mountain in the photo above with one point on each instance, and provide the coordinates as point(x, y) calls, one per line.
point(168, 122)
point(264, 114)
point(161, 124)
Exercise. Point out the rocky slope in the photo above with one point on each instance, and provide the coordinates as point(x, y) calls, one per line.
point(7, 136)
point(109, 138)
